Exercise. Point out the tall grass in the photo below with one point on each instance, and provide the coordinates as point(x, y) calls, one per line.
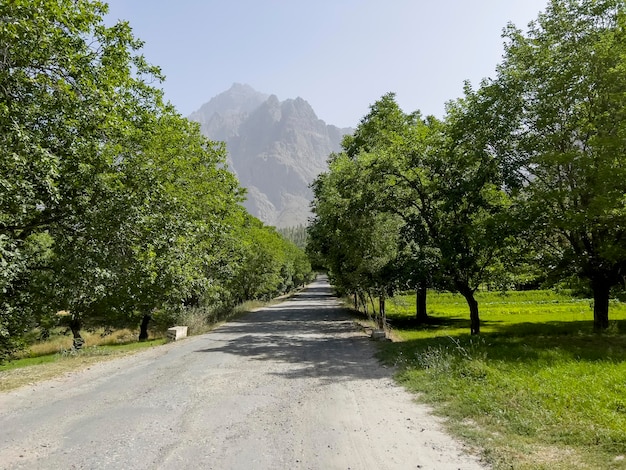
point(60, 341)
point(538, 389)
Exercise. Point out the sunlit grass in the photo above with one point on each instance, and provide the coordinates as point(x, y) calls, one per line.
point(537, 389)
point(550, 311)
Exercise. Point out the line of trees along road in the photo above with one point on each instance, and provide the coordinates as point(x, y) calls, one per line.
point(112, 206)
point(523, 180)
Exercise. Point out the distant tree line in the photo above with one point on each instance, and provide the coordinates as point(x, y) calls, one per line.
point(298, 235)
point(522, 182)
point(113, 207)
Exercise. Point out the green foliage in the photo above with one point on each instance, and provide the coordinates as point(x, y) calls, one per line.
point(521, 183)
point(561, 88)
point(354, 234)
point(269, 265)
point(66, 84)
point(112, 206)
point(297, 235)
point(420, 197)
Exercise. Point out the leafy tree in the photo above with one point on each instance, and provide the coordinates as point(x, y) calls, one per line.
point(297, 235)
point(442, 184)
point(357, 242)
point(466, 206)
point(112, 205)
point(67, 84)
point(301, 266)
point(381, 143)
point(181, 229)
point(268, 264)
point(562, 87)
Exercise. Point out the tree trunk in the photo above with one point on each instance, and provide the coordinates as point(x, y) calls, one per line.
point(75, 326)
point(601, 295)
point(363, 303)
point(143, 328)
point(473, 306)
point(420, 303)
point(381, 312)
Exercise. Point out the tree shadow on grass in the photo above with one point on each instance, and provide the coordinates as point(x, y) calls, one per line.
point(543, 343)
point(431, 323)
point(575, 339)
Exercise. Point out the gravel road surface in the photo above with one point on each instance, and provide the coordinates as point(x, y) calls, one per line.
point(293, 386)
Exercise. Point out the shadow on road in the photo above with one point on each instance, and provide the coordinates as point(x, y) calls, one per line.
point(311, 333)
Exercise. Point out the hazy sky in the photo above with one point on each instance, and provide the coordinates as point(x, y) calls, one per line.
point(339, 55)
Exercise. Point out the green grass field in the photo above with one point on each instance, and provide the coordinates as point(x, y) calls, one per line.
point(537, 389)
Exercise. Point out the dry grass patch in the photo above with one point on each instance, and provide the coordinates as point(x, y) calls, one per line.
point(30, 370)
point(14, 378)
point(62, 343)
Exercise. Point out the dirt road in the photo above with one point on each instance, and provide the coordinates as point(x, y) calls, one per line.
point(293, 386)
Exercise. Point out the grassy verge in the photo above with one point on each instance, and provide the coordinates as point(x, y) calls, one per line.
point(52, 358)
point(28, 370)
point(537, 389)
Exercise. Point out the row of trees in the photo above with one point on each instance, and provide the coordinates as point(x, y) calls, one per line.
point(297, 234)
point(112, 205)
point(523, 176)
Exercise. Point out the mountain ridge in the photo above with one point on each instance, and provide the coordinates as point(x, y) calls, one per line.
point(276, 149)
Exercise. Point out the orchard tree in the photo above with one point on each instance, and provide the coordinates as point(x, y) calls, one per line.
point(184, 210)
point(466, 204)
point(378, 146)
point(112, 204)
point(297, 234)
point(358, 242)
point(442, 180)
point(563, 85)
point(267, 263)
point(68, 84)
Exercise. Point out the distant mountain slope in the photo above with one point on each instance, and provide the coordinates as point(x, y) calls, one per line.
point(275, 148)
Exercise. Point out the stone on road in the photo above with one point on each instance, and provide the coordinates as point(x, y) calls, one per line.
point(292, 386)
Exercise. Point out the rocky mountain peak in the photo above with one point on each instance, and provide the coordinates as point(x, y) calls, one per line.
point(220, 117)
point(239, 98)
point(275, 148)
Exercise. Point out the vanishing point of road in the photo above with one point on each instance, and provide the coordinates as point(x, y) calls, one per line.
point(292, 386)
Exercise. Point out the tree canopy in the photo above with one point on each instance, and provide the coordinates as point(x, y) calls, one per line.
point(523, 174)
point(562, 85)
point(112, 205)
